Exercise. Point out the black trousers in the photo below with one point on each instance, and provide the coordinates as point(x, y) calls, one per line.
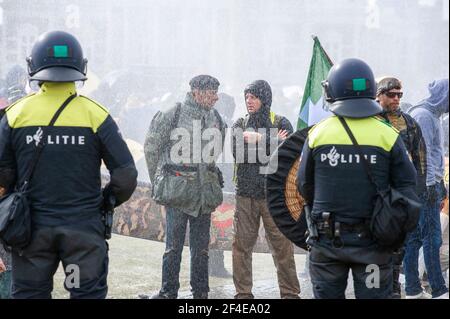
point(397, 261)
point(83, 252)
point(371, 269)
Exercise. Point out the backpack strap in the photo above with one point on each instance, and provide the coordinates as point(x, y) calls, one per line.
point(243, 123)
point(272, 117)
point(176, 117)
point(275, 119)
point(42, 142)
point(219, 117)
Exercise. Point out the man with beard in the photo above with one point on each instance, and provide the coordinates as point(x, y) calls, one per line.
point(186, 181)
point(388, 95)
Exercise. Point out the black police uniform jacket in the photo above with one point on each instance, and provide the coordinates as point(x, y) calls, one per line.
point(332, 177)
point(66, 185)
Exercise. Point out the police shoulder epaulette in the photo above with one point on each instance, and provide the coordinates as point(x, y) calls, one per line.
point(19, 100)
point(96, 103)
point(381, 119)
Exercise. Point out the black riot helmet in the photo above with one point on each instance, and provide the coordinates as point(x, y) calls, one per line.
point(350, 88)
point(57, 57)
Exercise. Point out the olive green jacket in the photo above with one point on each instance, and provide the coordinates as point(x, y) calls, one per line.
point(181, 148)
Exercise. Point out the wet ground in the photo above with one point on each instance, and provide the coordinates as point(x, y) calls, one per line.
point(135, 270)
point(135, 273)
point(263, 289)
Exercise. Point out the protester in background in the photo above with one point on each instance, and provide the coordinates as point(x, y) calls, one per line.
point(225, 106)
point(428, 233)
point(5, 257)
point(389, 94)
point(16, 82)
point(3, 97)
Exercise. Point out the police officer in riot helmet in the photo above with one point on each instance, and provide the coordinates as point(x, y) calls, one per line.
point(337, 189)
point(65, 193)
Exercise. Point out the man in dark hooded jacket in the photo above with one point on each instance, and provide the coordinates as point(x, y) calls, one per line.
point(258, 132)
point(428, 233)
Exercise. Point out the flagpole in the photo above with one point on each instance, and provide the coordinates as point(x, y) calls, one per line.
point(316, 39)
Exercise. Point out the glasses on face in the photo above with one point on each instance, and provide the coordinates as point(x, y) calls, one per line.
point(394, 94)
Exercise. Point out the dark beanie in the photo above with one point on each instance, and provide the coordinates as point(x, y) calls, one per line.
point(388, 83)
point(261, 89)
point(204, 82)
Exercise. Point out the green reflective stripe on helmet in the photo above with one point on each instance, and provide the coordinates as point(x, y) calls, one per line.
point(359, 84)
point(60, 51)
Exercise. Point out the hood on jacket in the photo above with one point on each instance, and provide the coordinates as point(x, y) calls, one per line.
point(437, 102)
point(262, 90)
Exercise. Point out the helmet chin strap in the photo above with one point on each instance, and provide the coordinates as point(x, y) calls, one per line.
point(29, 63)
point(79, 84)
point(85, 61)
point(326, 87)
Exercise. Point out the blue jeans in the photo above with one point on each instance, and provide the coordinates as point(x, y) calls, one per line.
point(5, 285)
point(428, 233)
point(176, 224)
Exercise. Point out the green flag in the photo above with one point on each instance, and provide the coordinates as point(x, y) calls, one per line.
point(312, 107)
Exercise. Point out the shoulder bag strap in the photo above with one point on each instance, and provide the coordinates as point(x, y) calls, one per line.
point(42, 143)
point(361, 155)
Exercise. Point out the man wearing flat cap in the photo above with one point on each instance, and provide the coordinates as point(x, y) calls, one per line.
point(181, 148)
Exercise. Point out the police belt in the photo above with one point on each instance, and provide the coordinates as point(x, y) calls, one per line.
point(323, 228)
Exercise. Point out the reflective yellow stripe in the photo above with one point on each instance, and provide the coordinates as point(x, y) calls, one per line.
point(272, 117)
point(38, 110)
point(18, 101)
point(368, 131)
